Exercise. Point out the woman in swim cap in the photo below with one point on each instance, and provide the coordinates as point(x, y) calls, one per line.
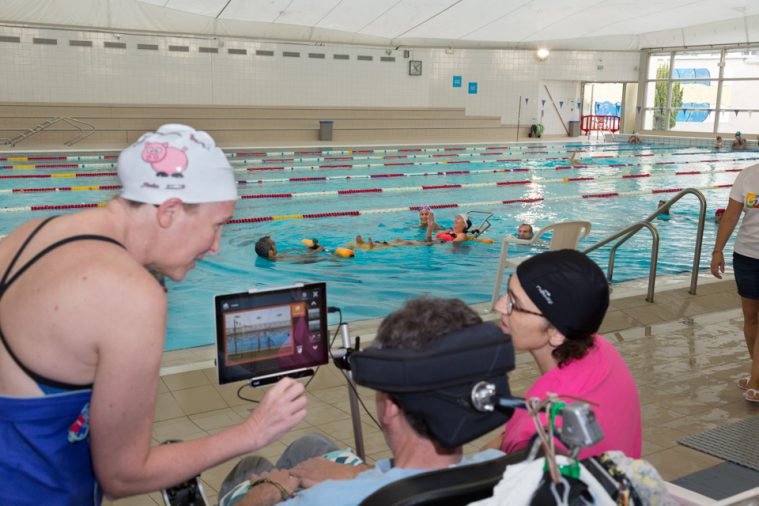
point(425, 213)
point(458, 232)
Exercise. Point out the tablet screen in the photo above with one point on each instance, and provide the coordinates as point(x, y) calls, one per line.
point(266, 334)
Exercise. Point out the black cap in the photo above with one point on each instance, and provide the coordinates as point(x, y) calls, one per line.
point(569, 289)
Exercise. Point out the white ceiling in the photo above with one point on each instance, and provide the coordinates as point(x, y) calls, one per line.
point(575, 24)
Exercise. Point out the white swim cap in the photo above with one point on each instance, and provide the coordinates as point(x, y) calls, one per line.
point(176, 161)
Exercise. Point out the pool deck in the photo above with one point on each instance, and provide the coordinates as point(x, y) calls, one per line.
point(685, 351)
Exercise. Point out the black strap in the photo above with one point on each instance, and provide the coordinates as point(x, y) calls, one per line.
point(21, 250)
point(5, 283)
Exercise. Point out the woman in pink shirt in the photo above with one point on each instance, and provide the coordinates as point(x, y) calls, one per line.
point(553, 307)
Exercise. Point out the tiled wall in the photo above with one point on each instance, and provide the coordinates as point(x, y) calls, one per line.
point(58, 66)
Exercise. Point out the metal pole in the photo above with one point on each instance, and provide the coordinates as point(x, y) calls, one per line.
point(358, 434)
point(519, 115)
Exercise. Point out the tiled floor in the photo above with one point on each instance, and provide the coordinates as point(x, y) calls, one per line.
point(686, 352)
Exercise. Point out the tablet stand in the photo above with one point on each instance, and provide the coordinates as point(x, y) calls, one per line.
point(358, 434)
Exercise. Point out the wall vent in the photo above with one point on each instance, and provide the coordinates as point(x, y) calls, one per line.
point(50, 42)
point(365, 58)
point(263, 52)
point(237, 51)
point(180, 49)
point(148, 47)
point(115, 45)
point(9, 38)
point(80, 43)
point(291, 54)
point(202, 49)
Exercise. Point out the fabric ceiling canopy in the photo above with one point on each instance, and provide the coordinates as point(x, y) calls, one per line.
point(557, 24)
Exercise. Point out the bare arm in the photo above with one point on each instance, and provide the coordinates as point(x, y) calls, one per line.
point(132, 329)
point(268, 494)
point(316, 470)
point(726, 227)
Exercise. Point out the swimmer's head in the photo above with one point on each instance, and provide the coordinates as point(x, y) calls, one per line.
point(719, 212)
point(719, 138)
point(176, 161)
point(462, 222)
point(524, 231)
point(424, 213)
point(738, 133)
point(266, 248)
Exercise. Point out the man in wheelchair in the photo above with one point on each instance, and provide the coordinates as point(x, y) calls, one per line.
point(426, 358)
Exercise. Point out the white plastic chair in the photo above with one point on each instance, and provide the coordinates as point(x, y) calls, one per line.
point(566, 235)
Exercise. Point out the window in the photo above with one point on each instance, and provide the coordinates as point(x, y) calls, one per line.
point(684, 98)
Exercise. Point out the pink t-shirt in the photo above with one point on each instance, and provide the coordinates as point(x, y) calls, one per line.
point(600, 376)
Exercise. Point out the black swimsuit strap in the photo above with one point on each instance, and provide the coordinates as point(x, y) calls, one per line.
point(84, 237)
point(20, 251)
point(5, 283)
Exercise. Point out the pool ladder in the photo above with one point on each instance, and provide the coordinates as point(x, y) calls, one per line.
point(85, 130)
point(628, 232)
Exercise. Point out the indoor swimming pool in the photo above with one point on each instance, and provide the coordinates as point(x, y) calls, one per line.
point(334, 195)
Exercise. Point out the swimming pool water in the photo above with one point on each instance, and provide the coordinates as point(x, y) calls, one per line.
point(377, 282)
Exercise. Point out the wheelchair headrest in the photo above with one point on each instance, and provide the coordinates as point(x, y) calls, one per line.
point(435, 382)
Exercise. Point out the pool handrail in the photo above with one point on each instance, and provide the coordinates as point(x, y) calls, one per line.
point(29, 132)
point(628, 232)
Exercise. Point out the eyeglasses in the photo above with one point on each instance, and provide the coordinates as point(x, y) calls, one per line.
point(511, 306)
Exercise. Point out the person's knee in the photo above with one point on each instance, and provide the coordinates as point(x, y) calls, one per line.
point(242, 471)
point(313, 444)
point(750, 312)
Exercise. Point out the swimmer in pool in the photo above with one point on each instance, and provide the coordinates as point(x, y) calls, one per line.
point(458, 233)
point(663, 210)
point(525, 231)
point(266, 248)
point(424, 215)
point(370, 244)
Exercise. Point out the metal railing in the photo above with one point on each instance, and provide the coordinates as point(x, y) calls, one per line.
point(626, 233)
point(76, 123)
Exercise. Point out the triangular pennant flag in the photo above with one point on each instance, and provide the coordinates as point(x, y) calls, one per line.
point(736, 112)
point(638, 108)
point(661, 109)
point(561, 103)
point(526, 100)
point(578, 104)
point(543, 102)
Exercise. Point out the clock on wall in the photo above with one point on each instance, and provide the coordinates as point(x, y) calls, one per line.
point(415, 67)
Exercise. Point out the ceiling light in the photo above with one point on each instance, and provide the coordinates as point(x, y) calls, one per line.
point(542, 53)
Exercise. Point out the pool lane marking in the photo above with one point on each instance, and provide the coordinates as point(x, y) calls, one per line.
point(472, 204)
point(339, 154)
point(396, 189)
point(476, 152)
point(370, 176)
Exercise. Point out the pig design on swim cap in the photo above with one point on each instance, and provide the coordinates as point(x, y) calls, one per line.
point(176, 161)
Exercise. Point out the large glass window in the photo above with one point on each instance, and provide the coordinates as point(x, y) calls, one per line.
point(742, 63)
point(685, 97)
point(656, 62)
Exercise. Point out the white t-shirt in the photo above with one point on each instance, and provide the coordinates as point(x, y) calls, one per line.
point(746, 191)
